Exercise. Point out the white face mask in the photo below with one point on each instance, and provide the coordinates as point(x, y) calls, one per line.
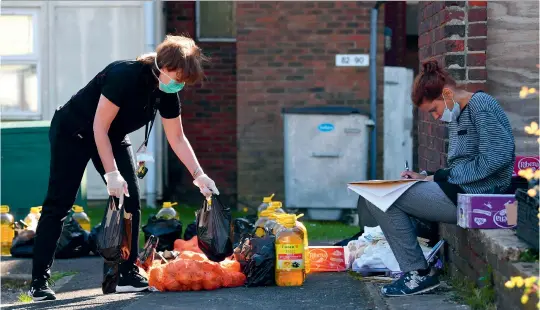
point(450, 116)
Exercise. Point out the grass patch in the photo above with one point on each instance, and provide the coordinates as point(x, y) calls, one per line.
point(480, 297)
point(23, 285)
point(529, 256)
point(14, 284)
point(24, 298)
point(317, 230)
point(55, 276)
point(322, 231)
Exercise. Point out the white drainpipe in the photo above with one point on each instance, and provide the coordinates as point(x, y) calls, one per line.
point(150, 46)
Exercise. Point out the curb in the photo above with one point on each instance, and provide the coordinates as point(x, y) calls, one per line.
point(374, 294)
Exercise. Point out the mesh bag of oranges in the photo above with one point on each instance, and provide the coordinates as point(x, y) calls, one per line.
point(193, 271)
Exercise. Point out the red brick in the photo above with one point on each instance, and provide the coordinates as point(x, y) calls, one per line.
point(455, 45)
point(477, 44)
point(476, 60)
point(478, 3)
point(424, 39)
point(477, 14)
point(477, 30)
point(477, 74)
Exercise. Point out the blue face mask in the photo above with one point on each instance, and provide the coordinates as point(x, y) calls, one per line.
point(172, 87)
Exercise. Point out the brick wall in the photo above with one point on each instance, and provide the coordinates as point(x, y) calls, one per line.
point(453, 32)
point(286, 57)
point(208, 114)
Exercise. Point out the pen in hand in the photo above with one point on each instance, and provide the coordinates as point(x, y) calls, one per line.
point(407, 169)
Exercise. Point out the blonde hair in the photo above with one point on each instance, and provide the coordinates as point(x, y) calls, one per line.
point(181, 54)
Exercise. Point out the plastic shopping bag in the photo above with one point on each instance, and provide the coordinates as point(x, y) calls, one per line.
point(167, 230)
point(257, 258)
point(214, 229)
point(114, 242)
point(73, 241)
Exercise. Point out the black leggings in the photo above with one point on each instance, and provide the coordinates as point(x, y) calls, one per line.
point(70, 154)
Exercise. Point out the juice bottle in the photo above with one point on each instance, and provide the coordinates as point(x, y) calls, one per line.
point(32, 218)
point(290, 254)
point(7, 226)
point(306, 249)
point(81, 217)
point(266, 202)
point(167, 212)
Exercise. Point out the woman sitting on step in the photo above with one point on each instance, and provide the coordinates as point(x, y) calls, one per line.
point(480, 161)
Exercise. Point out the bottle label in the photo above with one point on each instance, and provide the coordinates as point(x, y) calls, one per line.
point(290, 256)
point(7, 233)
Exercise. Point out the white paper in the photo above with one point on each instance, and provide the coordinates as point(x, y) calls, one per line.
point(145, 157)
point(380, 193)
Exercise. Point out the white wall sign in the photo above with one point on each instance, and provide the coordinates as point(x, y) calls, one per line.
point(352, 60)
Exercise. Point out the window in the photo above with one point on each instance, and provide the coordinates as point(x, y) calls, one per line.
point(216, 21)
point(19, 65)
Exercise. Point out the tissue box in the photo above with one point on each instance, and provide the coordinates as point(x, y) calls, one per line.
point(328, 258)
point(484, 211)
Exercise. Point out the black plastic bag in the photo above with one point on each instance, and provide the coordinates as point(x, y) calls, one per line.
point(113, 243)
point(166, 230)
point(23, 244)
point(242, 227)
point(73, 241)
point(146, 256)
point(191, 231)
point(92, 239)
point(426, 229)
point(214, 229)
point(257, 258)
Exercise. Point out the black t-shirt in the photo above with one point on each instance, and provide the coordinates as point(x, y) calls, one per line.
point(130, 85)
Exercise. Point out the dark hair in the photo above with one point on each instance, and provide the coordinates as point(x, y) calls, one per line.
point(430, 82)
point(178, 53)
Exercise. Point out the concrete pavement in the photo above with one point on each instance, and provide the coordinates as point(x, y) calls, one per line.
point(321, 291)
point(83, 291)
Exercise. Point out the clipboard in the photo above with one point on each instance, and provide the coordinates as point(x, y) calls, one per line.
point(382, 193)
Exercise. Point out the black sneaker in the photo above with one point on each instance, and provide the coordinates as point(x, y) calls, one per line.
point(131, 281)
point(411, 283)
point(40, 290)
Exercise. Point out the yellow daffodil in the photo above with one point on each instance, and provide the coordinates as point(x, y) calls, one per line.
point(532, 128)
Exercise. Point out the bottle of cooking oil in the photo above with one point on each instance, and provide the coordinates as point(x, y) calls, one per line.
point(265, 203)
point(7, 224)
point(279, 226)
point(81, 217)
point(32, 218)
point(271, 223)
point(306, 248)
point(276, 206)
point(290, 254)
point(259, 224)
point(167, 211)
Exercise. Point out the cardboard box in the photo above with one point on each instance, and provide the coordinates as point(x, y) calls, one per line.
point(328, 258)
point(484, 211)
point(524, 162)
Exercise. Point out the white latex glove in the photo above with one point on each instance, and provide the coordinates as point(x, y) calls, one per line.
point(116, 185)
point(206, 185)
